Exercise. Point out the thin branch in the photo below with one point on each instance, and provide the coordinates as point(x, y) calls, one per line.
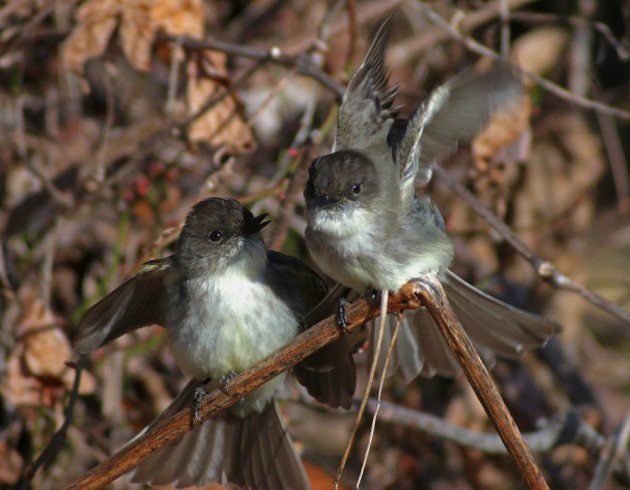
point(433, 297)
point(544, 269)
point(301, 63)
point(566, 428)
point(58, 439)
point(175, 427)
point(477, 47)
point(616, 447)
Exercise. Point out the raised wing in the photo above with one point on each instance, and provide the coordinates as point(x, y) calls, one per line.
point(366, 111)
point(455, 111)
point(140, 301)
point(472, 99)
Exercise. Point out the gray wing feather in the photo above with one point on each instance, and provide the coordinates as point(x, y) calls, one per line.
point(366, 108)
point(329, 374)
point(455, 111)
point(472, 99)
point(494, 327)
point(138, 302)
point(251, 452)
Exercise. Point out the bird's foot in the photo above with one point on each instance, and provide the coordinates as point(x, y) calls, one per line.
point(342, 319)
point(200, 392)
point(224, 382)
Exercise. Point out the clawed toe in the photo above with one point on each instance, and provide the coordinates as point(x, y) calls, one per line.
point(200, 392)
point(224, 382)
point(342, 319)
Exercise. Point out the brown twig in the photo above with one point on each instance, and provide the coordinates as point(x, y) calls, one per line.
point(59, 437)
point(477, 47)
point(301, 63)
point(217, 401)
point(545, 269)
point(614, 449)
point(433, 297)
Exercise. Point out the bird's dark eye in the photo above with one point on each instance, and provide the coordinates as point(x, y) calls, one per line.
point(216, 236)
point(356, 188)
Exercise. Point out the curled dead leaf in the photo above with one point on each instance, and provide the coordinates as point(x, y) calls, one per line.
point(96, 23)
point(10, 465)
point(221, 125)
point(46, 352)
point(540, 49)
point(139, 21)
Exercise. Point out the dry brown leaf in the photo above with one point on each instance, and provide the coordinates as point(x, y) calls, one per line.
point(137, 30)
point(18, 387)
point(221, 125)
point(96, 22)
point(10, 465)
point(540, 49)
point(179, 17)
point(140, 20)
point(46, 352)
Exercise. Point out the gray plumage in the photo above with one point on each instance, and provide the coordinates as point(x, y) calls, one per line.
point(254, 452)
point(226, 303)
point(368, 229)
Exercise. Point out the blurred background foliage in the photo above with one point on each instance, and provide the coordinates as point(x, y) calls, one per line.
point(111, 128)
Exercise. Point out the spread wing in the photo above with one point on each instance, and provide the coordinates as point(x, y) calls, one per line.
point(140, 301)
point(366, 111)
point(472, 99)
point(455, 111)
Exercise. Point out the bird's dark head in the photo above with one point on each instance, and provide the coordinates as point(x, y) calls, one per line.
point(219, 233)
point(338, 178)
point(342, 186)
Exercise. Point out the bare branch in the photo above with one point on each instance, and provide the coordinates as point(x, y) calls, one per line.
point(545, 270)
point(483, 50)
point(59, 437)
point(433, 297)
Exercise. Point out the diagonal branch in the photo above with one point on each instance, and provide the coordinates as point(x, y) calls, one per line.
point(433, 297)
point(411, 296)
point(544, 269)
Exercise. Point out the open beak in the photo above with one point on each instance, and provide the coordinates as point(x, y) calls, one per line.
point(256, 224)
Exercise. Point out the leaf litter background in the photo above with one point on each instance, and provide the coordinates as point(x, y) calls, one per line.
point(110, 131)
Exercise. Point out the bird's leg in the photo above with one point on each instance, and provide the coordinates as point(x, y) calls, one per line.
point(224, 382)
point(341, 318)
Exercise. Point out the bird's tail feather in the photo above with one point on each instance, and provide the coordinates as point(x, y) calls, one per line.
point(253, 452)
point(493, 326)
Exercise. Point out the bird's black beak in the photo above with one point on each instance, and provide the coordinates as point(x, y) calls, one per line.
point(322, 202)
point(256, 224)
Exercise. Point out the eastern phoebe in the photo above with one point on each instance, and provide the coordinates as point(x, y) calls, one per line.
point(367, 228)
point(226, 303)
